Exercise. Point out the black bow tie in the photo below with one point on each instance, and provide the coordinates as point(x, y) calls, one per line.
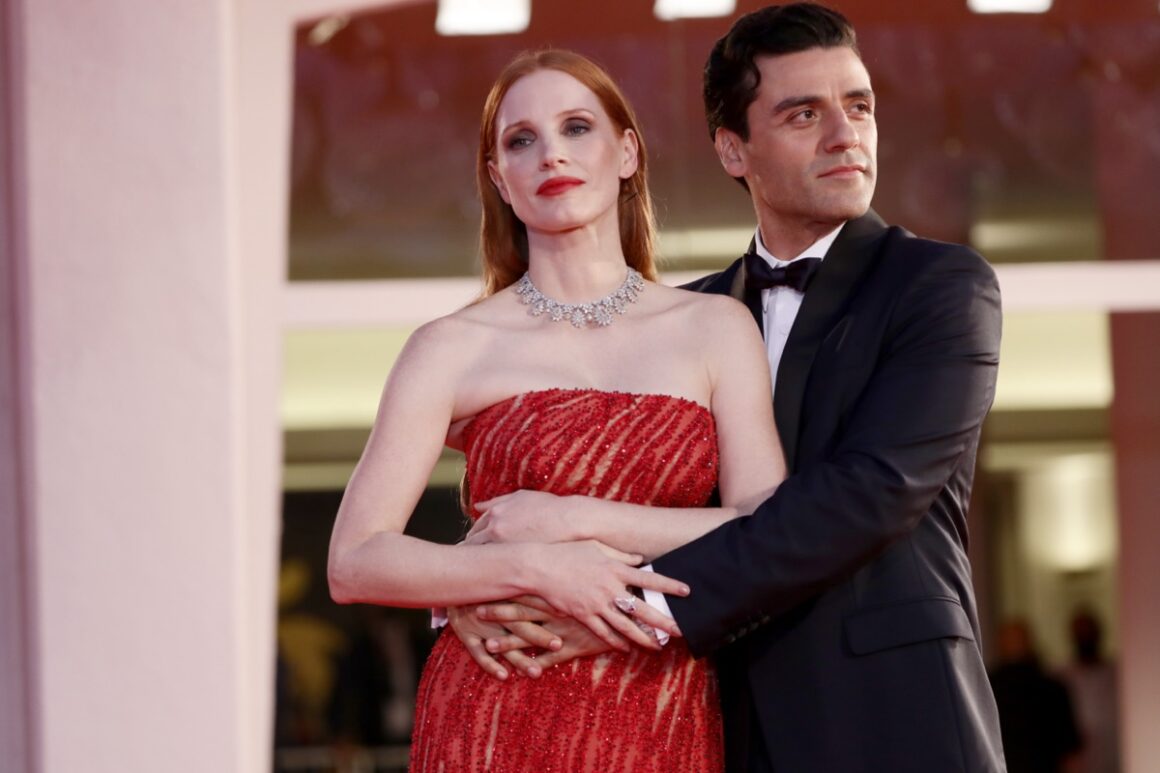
point(797, 274)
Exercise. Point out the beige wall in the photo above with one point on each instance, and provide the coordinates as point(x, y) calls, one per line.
point(143, 256)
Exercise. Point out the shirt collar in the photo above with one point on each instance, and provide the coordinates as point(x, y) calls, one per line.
point(816, 250)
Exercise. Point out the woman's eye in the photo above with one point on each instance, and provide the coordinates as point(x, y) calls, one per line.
point(576, 128)
point(517, 141)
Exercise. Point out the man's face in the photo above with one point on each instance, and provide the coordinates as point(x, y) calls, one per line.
point(810, 157)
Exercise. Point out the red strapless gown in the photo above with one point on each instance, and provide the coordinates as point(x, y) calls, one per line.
point(643, 712)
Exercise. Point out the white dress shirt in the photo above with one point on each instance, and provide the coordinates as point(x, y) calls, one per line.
point(779, 307)
point(780, 304)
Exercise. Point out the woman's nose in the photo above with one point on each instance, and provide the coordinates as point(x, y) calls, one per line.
point(552, 154)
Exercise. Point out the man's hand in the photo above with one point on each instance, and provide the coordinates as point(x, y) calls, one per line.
point(484, 639)
point(578, 640)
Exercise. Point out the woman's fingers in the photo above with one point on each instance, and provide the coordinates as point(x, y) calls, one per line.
point(487, 504)
point(480, 524)
point(627, 627)
point(652, 617)
point(632, 559)
point(606, 633)
point(653, 581)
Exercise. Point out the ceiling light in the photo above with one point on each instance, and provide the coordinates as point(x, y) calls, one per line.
point(667, 10)
point(483, 17)
point(1009, 6)
point(321, 33)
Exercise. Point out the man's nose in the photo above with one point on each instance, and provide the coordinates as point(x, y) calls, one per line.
point(841, 134)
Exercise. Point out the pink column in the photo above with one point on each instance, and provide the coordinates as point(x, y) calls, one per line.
point(1124, 110)
point(140, 288)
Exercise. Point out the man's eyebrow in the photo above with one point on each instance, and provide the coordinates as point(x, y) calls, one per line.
point(791, 102)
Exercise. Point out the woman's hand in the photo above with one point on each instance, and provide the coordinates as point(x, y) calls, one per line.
point(586, 580)
point(523, 516)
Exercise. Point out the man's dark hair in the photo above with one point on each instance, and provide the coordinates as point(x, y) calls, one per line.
point(731, 74)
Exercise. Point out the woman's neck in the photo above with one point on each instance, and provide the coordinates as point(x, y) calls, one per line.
point(576, 266)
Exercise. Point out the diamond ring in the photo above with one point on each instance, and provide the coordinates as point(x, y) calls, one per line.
point(626, 604)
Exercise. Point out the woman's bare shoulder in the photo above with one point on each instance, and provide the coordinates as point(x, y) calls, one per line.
point(710, 308)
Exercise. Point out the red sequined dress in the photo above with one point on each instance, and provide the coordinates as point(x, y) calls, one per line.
point(642, 711)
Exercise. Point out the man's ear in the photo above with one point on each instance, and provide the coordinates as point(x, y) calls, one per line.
point(497, 181)
point(631, 158)
point(730, 151)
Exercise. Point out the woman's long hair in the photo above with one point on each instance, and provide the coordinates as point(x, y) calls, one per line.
point(503, 238)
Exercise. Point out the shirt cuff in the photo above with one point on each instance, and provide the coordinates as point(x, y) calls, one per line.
point(438, 617)
point(657, 601)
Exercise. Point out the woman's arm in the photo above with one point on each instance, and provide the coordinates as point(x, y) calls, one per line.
point(372, 561)
point(752, 463)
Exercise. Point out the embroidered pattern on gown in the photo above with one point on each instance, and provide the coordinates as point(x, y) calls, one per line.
point(642, 711)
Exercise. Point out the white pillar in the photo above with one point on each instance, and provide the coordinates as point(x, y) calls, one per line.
point(144, 251)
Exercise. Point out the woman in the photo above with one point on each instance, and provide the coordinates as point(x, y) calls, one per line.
point(639, 396)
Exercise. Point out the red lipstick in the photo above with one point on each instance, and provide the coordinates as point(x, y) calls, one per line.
point(554, 186)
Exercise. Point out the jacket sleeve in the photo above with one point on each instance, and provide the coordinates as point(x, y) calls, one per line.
point(908, 433)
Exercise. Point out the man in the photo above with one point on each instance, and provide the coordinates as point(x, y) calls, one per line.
point(841, 612)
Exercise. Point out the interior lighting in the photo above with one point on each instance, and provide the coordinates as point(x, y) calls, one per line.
point(483, 17)
point(1009, 6)
point(667, 10)
point(321, 33)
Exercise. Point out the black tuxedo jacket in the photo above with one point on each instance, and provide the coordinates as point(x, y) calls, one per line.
point(841, 612)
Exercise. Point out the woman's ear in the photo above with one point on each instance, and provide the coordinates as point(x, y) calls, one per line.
point(631, 158)
point(497, 181)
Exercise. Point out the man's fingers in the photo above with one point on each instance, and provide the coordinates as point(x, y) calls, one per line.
point(535, 602)
point(535, 635)
point(480, 655)
point(566, 654)
point(510, 613)
point(524, 664)
point(498, 645)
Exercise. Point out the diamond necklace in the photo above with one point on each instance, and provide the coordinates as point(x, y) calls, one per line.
point(597, 313)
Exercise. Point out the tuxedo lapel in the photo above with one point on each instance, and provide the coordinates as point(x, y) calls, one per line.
point(751, 297)
point(849, 258)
